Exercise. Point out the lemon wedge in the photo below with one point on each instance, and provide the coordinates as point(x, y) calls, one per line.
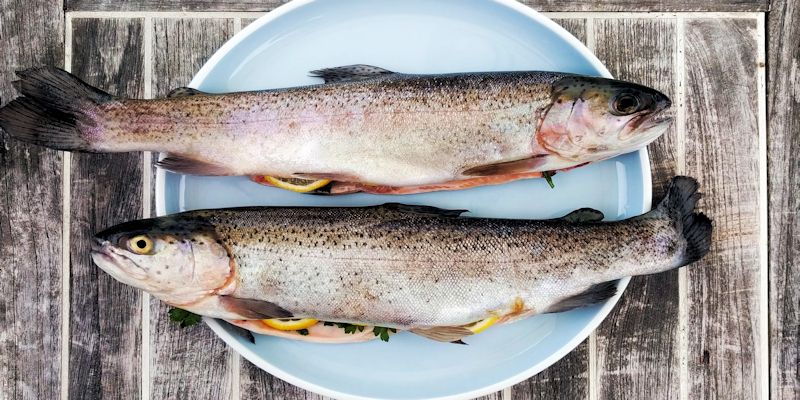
point(481, 325)
point(296, 184)
point(289, 324)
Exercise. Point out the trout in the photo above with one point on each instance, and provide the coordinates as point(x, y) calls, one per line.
point(365, 129)
point(414, 268)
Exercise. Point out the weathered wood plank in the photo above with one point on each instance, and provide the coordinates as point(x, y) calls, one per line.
point(257, 384)
point(106, 315)
point(31, 34)
point(567, 378)
point(637, 354)
point(783, 106)
point(191, 363)
point(722, 152)
point(575, 26)
point(540, 5)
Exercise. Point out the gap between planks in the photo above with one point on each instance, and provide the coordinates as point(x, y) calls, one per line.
point(66, 194)
point(592, 374)
point(235, 359)
point(763, 363)
point(565, 14)
point(147, 39)
point(680, 169)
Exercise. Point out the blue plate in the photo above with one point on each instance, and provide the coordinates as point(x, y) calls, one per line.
point(415, 36)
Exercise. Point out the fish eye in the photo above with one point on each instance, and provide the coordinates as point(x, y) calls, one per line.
point(140, 244)
point(625, 104)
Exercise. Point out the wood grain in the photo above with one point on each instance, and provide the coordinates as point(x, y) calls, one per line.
point(31, 34)
point(569, 377)
point(722, 152)
point(105, 340)
point(540, 5)
point(783, 106)
point(189, 363)
point(637, 354)
point(257, 384)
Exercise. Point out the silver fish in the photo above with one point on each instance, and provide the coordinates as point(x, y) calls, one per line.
point(415, 268)
point(366, 129)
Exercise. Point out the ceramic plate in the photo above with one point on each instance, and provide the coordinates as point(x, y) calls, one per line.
point(414, 36)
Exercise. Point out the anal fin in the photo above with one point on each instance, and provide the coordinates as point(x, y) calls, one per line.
point(584, 215)
point(447, 334)
point(253, 309)
point(594, 294)
point(350, 73)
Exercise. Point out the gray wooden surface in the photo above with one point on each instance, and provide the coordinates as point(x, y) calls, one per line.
point(727, 328)
point(541, 5)
point(783, 111)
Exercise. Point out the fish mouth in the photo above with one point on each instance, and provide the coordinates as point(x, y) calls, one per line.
point(115, 264)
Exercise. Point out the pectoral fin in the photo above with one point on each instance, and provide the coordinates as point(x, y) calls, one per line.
point(253, 309)
point(350, 73)
point(448, 334)
point(238, 330)
point(507, 168)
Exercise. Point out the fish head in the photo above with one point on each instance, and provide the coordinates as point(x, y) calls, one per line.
point(177, 260)
point(591, 119)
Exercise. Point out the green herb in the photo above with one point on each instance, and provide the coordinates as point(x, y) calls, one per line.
point(303, 332)
point(184, 318)
point(348, 328)
point(383, 332)
point(548, 176)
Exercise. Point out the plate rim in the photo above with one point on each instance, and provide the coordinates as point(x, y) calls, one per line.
point(591, 326)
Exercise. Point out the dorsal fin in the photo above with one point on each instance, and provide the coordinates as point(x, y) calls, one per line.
point(350, 73)
point(425, 210)
point(186, 165)
point(583, 215)
point(184, 92)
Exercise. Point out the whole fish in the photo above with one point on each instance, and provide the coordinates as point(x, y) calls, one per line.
point(415, 268)
point(367, 128)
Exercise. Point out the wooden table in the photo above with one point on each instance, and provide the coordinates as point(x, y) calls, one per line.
point(725, 328)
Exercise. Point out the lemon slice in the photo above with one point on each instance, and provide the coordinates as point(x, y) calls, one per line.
point(297, 184)
point(289, 324)
point(481, 325)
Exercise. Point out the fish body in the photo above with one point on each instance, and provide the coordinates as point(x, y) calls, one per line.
point(406, 267)
point(365, 128)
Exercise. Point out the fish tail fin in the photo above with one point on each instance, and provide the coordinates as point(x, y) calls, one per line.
point(679, 203)
point(54, 107)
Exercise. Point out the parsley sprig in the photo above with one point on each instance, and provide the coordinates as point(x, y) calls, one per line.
point(548, 176)
point(348, 328)
point(383, 332)
point(184, 318)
